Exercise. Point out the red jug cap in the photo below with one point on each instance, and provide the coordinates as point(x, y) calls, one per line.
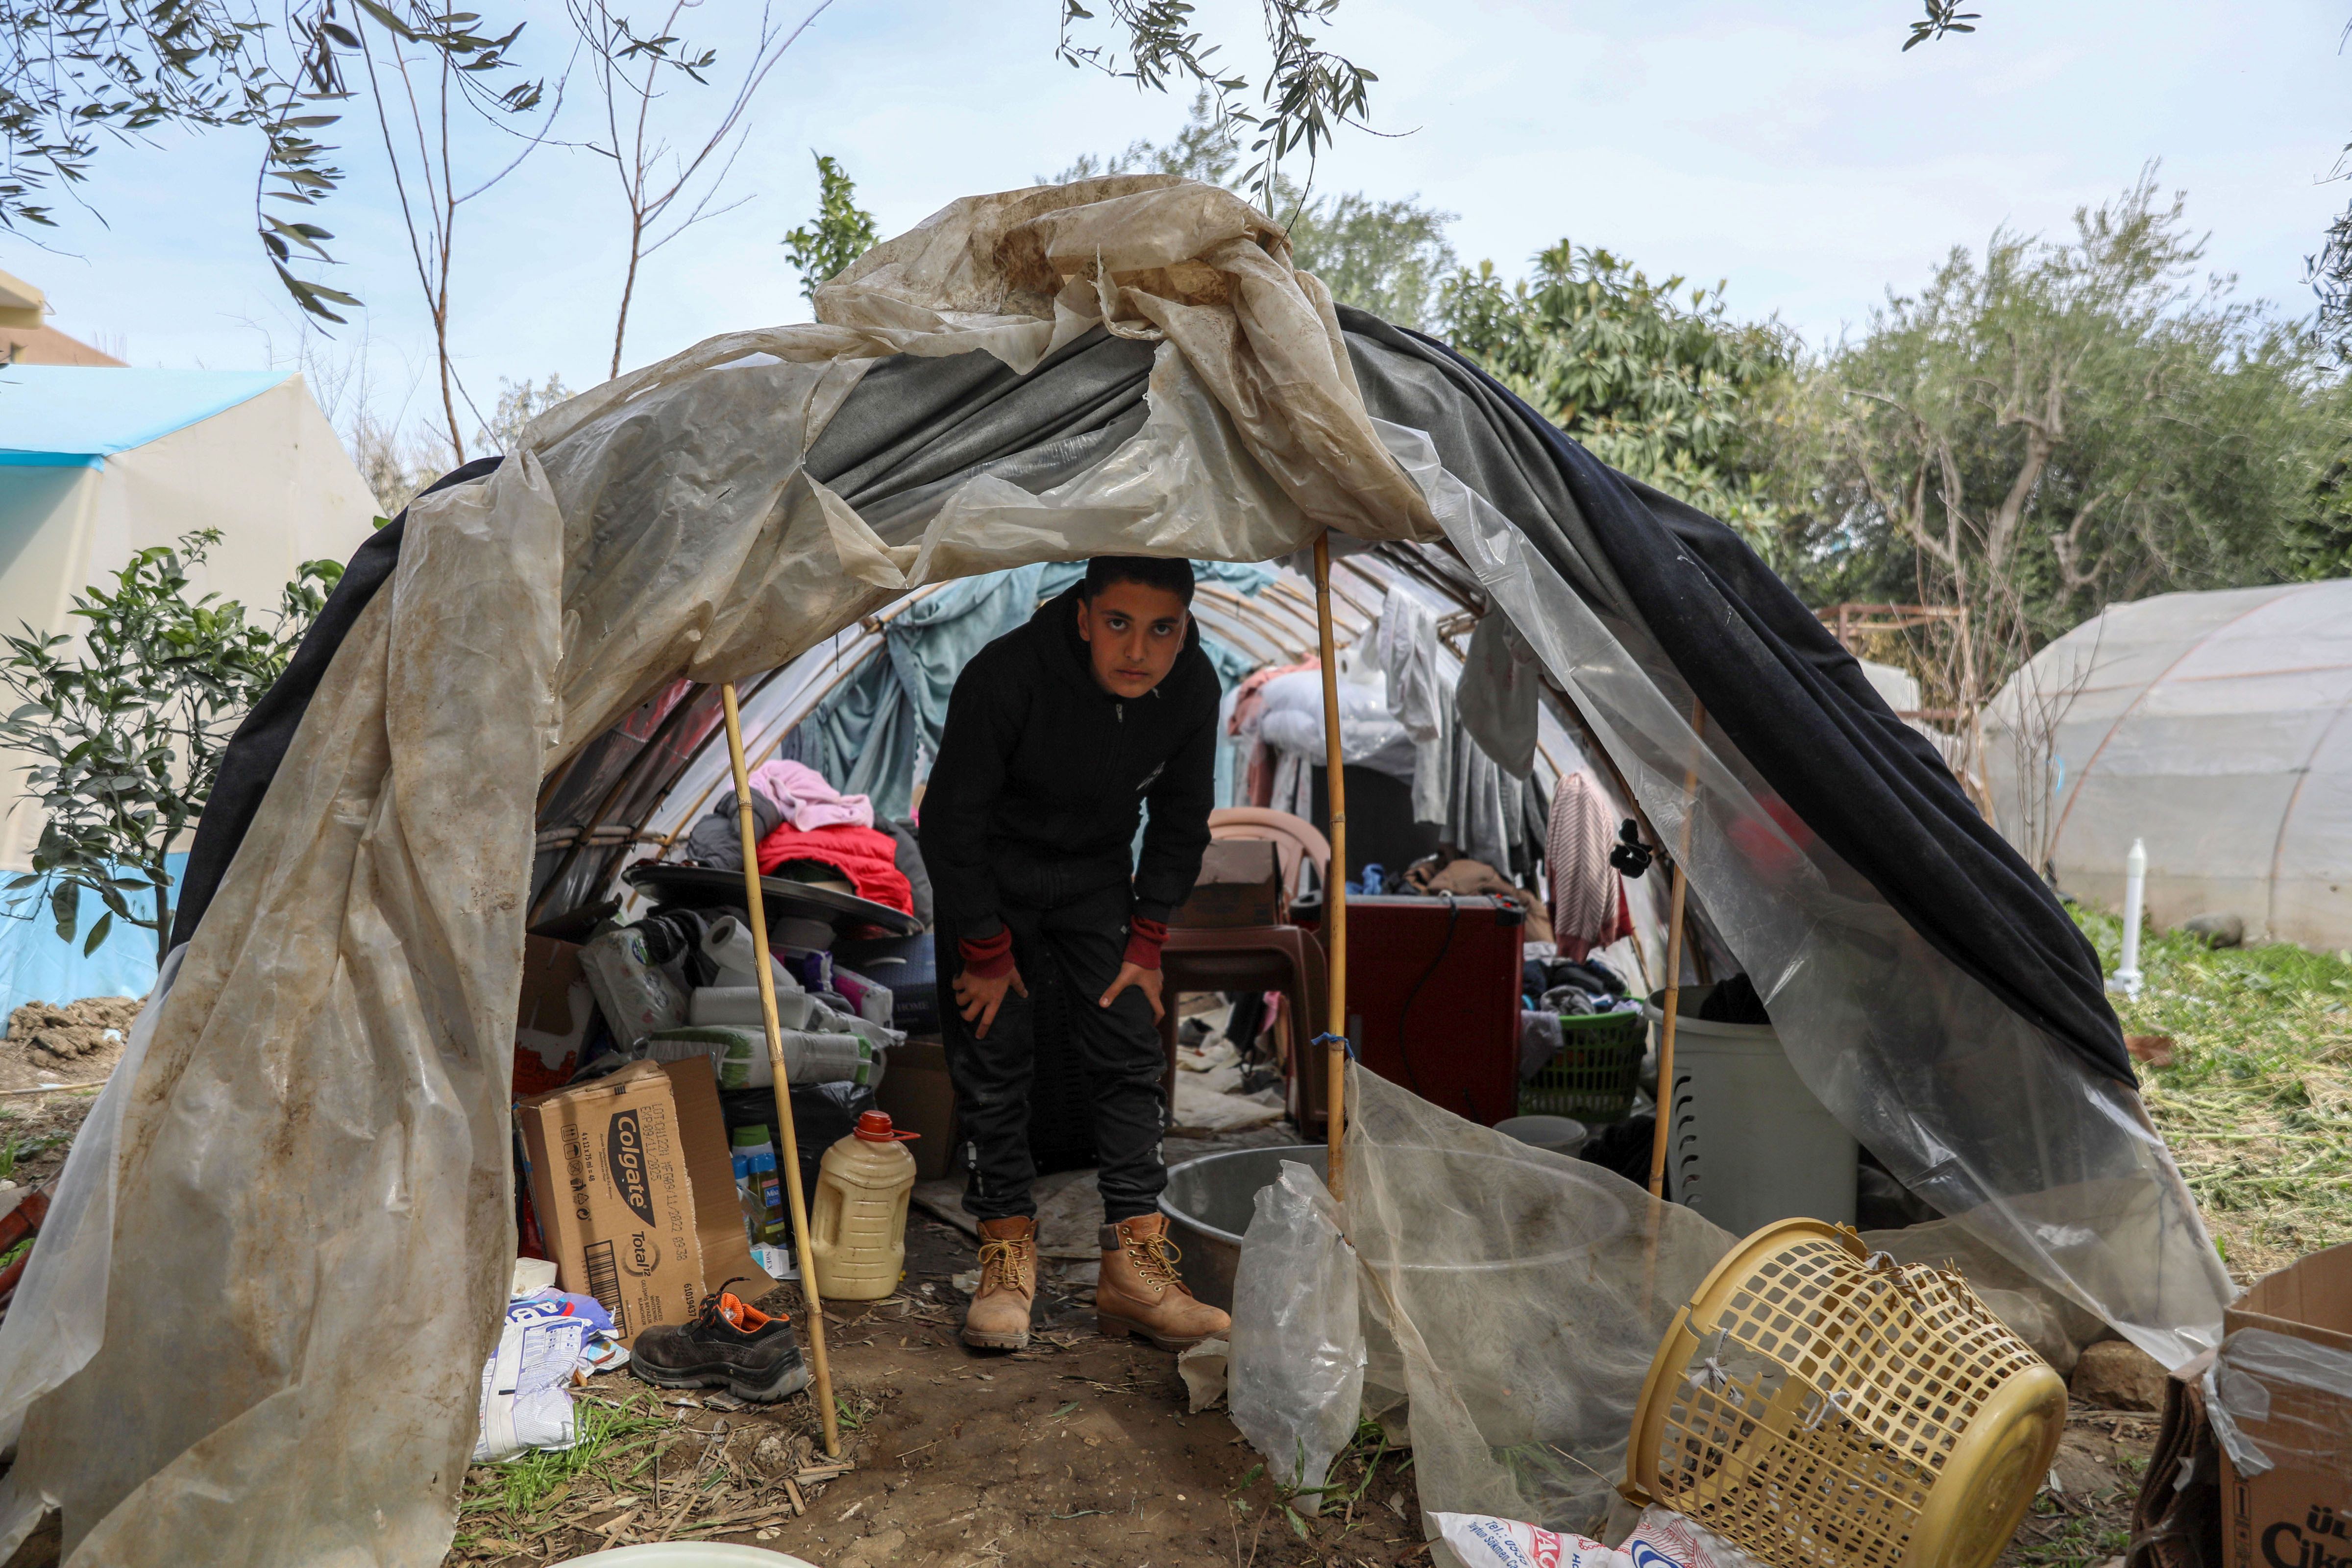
point(874, 1127)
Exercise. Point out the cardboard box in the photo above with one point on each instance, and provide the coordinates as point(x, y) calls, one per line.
point(2297, 1514)
point(1240, 885)
point(710, 1168)
point(553, 1019)
point(616, 1207)
point(919, 1098)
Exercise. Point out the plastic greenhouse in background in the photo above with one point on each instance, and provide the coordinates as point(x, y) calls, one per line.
point(2215, 726)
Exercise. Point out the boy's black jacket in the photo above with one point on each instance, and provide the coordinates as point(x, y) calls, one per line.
point(1042, 776)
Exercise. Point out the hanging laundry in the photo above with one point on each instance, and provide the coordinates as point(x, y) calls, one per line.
point(869, 859)
point(1486, 808)
point(1257, 786)
point(1588, 909)
point(1406, 650)
point(1291, 720)
point(1496, 694)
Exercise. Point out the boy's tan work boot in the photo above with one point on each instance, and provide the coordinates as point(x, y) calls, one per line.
point(998, 1318)
point(1139, 1292)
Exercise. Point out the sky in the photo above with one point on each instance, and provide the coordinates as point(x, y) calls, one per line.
point(1794, 153)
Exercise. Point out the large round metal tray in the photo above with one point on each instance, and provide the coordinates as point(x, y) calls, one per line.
point(703, 886)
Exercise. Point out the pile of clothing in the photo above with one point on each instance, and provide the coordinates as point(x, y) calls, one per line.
point(1560, 984)
point(1553, 987)
point(810, 832)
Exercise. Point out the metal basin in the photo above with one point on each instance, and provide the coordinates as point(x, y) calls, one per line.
point(1208, 1202)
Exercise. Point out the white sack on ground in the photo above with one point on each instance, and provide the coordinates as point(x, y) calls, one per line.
point(311, 1213)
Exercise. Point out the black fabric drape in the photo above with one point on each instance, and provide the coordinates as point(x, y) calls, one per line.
point(1783, 692)
point(1778, 686)
point(260, 743)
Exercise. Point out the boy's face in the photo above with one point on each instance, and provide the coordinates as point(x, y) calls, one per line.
point(1133, 635)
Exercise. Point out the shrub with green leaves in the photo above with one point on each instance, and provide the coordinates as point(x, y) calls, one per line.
point(127, 730)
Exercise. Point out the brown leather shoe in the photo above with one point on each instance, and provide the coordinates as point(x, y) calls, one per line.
point(998, 1318)
point(1140, 1293)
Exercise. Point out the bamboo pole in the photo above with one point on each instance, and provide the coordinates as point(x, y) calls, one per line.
point(1665, 1097)
point(1334, 886)
point(763, 966)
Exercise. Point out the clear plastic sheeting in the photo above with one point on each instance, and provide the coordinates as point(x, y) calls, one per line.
point(310, 1202)
point(1297, 1374)
point(2053, 1167)
point(2298, 1392)
point(1514, 1300)
point(2216, 727)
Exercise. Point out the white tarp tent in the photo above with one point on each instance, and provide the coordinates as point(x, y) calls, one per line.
point(2216, 727)
point(99, 463)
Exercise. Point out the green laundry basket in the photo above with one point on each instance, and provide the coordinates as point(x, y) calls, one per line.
point(1597, 1073)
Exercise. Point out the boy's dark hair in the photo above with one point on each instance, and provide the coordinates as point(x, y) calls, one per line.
point(1151, 571)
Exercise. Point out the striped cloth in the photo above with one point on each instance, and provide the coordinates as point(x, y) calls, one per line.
point(1588, 898)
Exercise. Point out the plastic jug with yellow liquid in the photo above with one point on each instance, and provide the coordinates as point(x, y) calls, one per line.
point(857, 1223)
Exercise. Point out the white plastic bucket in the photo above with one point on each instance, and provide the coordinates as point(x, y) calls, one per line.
point(686, 1554)
point(1749, 1143)
point(1554, 1134)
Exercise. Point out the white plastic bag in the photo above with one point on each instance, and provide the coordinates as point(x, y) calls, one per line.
point(637, 996)
point(1298, 1371)
point(1662, 1539)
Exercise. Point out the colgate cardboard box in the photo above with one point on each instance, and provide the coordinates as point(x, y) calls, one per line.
point(610, 1180)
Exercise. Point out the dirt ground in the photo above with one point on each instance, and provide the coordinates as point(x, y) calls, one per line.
point(75, 1043)
point(2086, 1519)
point(1078, 1451)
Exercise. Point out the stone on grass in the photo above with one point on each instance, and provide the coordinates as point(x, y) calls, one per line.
point(2115, 1375)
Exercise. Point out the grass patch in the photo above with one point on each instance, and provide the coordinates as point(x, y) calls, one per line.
point(2257, 1105)
point(2079, 1543)
point(615, 1446)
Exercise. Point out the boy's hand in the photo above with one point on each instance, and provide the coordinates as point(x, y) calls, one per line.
point(979, 998)
point(1144, 980)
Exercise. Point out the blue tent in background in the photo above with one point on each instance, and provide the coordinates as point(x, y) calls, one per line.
point(36, 966)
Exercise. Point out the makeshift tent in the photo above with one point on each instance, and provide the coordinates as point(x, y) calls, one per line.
point(279, 1250)
point(2216, 727)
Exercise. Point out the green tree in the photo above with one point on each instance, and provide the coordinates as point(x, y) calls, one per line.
point(2058, 423)
point(841, 232)
point(127, 734)
point(1662, 385)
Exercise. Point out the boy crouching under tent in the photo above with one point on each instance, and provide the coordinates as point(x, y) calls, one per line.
point(1059, 735)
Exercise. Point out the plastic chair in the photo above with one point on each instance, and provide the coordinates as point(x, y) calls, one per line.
point(1295, 839)
point(1243, 958)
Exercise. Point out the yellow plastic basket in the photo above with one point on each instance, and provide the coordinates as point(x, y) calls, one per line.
point(1823, 1407)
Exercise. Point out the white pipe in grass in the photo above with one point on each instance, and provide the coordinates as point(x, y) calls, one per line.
point(2128, 975)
